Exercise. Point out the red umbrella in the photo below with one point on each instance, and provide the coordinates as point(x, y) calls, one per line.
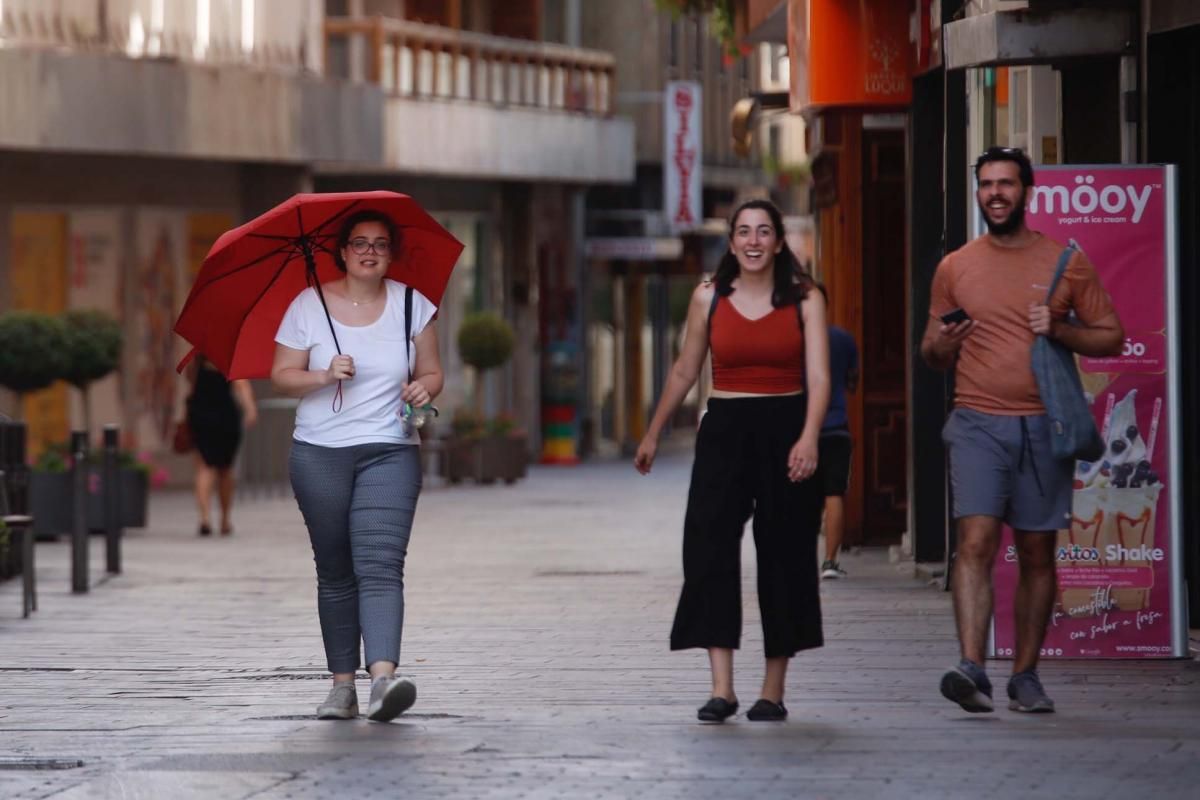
point(253, 273)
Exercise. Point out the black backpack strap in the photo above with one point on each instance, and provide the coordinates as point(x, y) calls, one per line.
point(1060, 269)
point(408, 304)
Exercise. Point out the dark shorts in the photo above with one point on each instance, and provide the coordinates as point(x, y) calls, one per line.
point(1002, 466)
point(833, 462)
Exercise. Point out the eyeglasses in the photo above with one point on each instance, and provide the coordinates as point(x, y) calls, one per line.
point(361, 246)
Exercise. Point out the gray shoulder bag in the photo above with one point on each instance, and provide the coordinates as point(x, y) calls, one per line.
point(1072, 427)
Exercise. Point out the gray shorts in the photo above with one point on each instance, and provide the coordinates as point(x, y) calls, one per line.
point(1003, 467)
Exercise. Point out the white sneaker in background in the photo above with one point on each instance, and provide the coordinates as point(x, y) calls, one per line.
point(832, 570)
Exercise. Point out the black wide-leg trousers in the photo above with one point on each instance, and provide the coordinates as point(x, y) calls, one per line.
point(741, 469)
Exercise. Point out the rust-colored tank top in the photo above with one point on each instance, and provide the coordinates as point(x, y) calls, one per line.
point(760, 356)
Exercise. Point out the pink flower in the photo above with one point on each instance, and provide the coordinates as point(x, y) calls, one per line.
point(159, 478)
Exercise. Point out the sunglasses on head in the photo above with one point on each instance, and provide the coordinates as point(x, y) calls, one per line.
point(1002, 151)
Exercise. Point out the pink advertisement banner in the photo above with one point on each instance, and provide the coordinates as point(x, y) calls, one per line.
point(1114, 562)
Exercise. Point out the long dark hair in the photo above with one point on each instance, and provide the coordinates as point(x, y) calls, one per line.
point(353, 221)
point(792, 283)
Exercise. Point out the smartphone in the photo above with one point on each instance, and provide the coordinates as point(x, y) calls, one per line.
point(954, 317)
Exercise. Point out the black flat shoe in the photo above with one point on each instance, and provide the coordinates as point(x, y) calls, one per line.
point(717, 709)
point(205, 530)
point(766, 711)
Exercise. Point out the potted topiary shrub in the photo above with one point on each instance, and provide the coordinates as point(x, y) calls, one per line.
point(485, 450)
point(92, 342)
point(485, 342)
point(464, 450)
point(32, 356)
point(505, 448)
point(32, 351)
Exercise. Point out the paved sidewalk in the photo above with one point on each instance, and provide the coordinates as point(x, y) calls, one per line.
point(537, 635)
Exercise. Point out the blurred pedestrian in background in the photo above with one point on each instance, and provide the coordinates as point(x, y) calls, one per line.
point(836, 445)
point(217, 410)
point(355, 465)
point(756, 453)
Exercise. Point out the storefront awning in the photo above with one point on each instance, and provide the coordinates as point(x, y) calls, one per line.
point(634, 248)
point(1024, 37)
point(849, 54)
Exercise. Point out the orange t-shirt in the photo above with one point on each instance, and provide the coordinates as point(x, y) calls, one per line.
point(995, 286)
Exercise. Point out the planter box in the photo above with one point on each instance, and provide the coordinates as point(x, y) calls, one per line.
point(486, 460)
point(52, 504)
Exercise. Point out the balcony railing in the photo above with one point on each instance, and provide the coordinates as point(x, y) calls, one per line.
point(411, 59)
point(176, 33)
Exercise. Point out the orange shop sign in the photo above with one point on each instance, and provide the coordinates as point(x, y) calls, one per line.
point(852, 53)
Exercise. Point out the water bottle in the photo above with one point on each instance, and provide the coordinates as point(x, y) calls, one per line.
point(413, 418)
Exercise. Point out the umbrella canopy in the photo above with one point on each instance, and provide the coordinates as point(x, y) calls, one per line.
point(254, 272)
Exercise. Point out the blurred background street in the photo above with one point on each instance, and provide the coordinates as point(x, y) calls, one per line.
point(588, 155)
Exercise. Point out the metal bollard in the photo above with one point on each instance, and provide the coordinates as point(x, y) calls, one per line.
point(112, 501)
point(79, 526)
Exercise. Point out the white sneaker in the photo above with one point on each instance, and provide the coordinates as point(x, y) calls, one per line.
point(342, 702)
point(390, 697)
point(832, 570)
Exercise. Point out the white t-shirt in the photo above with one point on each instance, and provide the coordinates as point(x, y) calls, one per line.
point(371, 399)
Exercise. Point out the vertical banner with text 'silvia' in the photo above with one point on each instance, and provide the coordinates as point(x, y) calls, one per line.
point(682, 156)
point(1120, 583)
point(38, 260)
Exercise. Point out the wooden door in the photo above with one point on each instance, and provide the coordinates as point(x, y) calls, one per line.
point(884, 332)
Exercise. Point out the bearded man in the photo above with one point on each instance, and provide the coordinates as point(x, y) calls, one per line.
point(987, 304)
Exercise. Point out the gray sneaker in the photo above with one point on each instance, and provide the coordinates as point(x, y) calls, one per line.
point(968, 685)
point(1025, 693)
point(342, 703)
point(390, 697)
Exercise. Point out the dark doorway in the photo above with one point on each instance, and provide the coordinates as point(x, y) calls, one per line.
point(884, 429)
point(1091, 113)
point(1173, 127)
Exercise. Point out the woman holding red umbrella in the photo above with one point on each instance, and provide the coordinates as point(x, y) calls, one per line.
point(361, 352)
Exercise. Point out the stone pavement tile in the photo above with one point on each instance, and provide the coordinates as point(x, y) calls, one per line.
point(536, 633)
point(151, 785)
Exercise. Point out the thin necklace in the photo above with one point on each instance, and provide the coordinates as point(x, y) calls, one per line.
point(357, 303)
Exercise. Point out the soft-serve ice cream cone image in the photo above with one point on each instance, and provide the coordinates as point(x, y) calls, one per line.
point(1093, 382)
point(1078, 542)
point(1115, 505)
point(1129, 524)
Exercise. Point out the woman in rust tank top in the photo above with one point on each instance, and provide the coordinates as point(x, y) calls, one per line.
point(756, 454)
